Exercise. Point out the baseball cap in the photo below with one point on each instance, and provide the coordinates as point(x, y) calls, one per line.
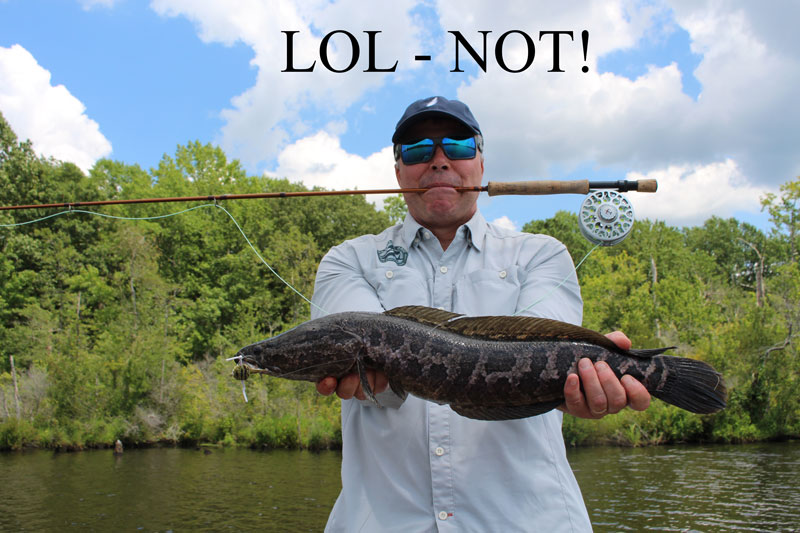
point(431, 107)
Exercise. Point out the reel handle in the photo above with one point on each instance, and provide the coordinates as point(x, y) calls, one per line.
point(495, 188)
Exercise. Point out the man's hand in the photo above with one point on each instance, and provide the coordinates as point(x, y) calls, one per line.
point(350, 385)
point(603, 393)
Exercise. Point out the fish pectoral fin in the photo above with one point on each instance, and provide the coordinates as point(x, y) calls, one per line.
point(509, 412)
point(362, 374)
point(398, 389)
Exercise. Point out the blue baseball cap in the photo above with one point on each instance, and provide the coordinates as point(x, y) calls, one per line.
point(434, 106)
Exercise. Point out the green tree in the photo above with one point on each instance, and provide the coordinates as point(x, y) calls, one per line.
point(784, 214)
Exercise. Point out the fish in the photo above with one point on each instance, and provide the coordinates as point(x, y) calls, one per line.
point(485, 368)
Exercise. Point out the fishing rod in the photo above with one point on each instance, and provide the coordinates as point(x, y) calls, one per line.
point(494, 188)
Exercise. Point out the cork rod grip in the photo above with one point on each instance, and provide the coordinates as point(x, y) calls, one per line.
point(495, 188)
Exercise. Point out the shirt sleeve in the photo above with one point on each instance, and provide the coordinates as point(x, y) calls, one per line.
point(341, 286)
point(550, 288)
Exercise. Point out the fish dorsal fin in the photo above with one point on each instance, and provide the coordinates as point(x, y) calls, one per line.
point(422, 314)
point(526, 328)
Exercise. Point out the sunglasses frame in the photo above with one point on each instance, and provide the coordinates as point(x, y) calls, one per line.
point(438, 141)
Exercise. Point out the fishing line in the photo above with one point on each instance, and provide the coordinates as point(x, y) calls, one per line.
point(255, 251)
point(258, 255)
point(267, 264)
point(252, 247)
point(546, 296)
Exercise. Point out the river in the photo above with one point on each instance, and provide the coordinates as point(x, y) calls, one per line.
point(670, 488)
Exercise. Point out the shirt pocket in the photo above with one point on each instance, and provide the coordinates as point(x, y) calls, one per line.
point(399, 286)
point(487, 292)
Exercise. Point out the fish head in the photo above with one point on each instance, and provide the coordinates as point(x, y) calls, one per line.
point(259, 356)
point(309, 352)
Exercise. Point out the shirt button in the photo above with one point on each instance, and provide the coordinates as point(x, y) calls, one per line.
point(443, 269)
point(439, 451)
point(389, 274)
point(503, 274)
point(426, 235)
point(442, 515)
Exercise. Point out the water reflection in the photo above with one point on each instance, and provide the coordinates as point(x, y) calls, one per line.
point(681, 488)
point(168, 489)
point(691, 488)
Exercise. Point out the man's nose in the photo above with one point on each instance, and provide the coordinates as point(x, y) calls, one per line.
point(439, 160)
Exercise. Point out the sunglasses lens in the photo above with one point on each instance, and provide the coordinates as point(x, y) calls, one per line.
point(422, 151)
point(418, 152)
point(459, 148)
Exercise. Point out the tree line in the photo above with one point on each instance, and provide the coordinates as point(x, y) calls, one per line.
point(118, 328)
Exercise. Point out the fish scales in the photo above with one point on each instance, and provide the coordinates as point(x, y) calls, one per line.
point(490, 368)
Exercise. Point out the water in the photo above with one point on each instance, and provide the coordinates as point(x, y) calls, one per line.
point(676, 488)
point(691, 488)
point(167, 490)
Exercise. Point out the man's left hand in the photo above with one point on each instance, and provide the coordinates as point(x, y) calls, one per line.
point(603, 393)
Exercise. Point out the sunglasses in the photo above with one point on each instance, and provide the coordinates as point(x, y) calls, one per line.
point(422, 151)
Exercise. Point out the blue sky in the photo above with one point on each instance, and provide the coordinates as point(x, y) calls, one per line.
point(696, 94)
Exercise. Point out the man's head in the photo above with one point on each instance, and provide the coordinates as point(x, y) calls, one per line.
point(438, 146)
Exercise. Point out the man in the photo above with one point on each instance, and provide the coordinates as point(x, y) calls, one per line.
point(418, 466)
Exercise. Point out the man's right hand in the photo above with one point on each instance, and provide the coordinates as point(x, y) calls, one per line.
point(350, 385)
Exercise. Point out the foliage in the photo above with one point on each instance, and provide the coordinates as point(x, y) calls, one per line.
point(119, 329)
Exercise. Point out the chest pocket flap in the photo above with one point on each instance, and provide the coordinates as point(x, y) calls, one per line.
point(399, 286)
point(487, 292)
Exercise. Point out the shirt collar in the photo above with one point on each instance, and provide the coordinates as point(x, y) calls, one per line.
point(474, 230)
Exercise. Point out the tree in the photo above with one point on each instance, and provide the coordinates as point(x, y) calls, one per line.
point(784, 214)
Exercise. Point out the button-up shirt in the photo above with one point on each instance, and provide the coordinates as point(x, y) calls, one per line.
point(418, 466)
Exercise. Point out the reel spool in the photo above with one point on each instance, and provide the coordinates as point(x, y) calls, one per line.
point(605, 218)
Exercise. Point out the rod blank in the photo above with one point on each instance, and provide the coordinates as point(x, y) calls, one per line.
point(494, 188)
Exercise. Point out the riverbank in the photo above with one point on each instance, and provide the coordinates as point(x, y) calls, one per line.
point(660, 425)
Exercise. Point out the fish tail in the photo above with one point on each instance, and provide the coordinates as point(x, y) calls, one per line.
point(692, 385)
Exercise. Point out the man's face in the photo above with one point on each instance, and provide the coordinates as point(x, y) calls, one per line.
point(441, 206)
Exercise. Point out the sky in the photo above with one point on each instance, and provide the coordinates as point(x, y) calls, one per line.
point(699, 94)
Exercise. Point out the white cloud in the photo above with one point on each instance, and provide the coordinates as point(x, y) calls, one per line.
point(742, 126)
point(505, 222)
point(52, 118)
point(746, 115)
point(319, 160)
point(266, 117)
point(688, 194)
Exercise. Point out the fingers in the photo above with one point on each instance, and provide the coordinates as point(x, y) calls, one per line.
point(574, 403)
point(620, 339)
point(602, 392)
point(349, 386)
point(638, 396)
point(326, 386)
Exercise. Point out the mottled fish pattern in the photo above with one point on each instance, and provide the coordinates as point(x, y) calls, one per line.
point(486, 368)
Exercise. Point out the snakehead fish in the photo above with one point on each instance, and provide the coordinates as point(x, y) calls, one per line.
point(486, 368)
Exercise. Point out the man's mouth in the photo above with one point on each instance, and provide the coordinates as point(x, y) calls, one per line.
point(440, 186)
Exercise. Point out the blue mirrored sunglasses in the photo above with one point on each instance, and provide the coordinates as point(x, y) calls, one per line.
point(422, 151)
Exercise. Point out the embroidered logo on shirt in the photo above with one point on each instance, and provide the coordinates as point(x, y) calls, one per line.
point(398, 254)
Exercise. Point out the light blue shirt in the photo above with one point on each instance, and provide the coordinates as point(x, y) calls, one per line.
point(417, 466)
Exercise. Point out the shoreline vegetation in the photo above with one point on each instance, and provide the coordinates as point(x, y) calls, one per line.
point(119, 329)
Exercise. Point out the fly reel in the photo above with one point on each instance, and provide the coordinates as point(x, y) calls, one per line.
point(605, 217)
